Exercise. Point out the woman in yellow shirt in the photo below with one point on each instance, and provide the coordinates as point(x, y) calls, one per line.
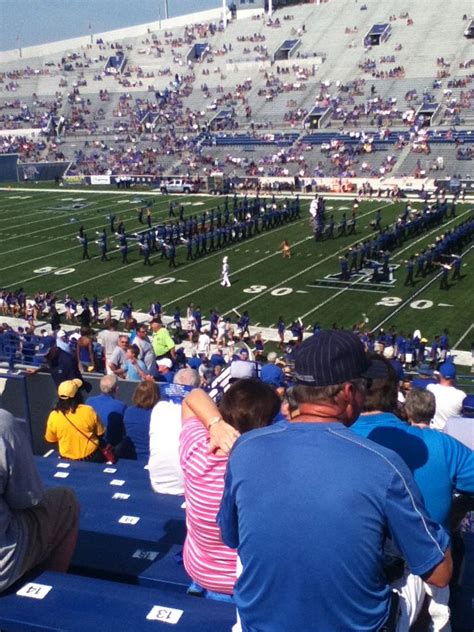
point(75, 427)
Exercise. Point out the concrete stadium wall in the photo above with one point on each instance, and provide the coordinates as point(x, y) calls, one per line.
point(31, 399)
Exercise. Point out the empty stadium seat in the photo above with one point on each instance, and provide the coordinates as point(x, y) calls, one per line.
point(127, 532)
point(56, 601)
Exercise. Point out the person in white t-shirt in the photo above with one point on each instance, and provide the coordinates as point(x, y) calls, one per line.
point(109, 338)
point(166, 476)
point(204, 343)
point(461, 427)
point(449, 399)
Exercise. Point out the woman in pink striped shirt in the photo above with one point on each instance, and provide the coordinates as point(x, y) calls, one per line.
point(248, 404)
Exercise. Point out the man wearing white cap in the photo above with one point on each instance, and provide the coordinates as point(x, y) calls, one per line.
point(225, 272)
point(61, 341)
point(164, 369)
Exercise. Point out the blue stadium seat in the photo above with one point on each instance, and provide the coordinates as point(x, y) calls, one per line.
point(127, 532)
point(76, 603)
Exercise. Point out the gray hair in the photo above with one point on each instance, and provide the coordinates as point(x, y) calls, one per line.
point(272, 356)
point(303, 394)
point(187, 377)
point(108, 384)
point(420, 406)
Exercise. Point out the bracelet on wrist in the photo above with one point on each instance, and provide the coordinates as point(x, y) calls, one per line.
point(213, 422)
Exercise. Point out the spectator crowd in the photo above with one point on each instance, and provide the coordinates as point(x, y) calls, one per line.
point(326, 477)
point(386, 448)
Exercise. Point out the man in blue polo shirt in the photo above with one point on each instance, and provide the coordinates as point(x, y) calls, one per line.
point(311, 545)
point(272, 374)
point(110, 409)
point(439, 463)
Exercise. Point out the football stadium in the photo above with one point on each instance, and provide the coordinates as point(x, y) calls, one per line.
point(248, 216)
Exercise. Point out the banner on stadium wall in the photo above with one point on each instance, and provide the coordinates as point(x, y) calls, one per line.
point(36, 171)
point(273, 182)
point(337, 185)
point(100, 179)
point(8, 168)
point(73, 179)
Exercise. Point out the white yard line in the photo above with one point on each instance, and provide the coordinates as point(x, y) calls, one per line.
point(465, 334)
point(431, 232)
point(11, 207)
point(413, 296)
point(315, 265)
point(216, 254)
point(49, 215)
point(169, 271)
point(277, 252)
point(71, 235)
point(119, 212)
point(397, 254)
point(123, 214)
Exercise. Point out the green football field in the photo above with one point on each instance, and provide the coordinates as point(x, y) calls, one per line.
point(40, 251)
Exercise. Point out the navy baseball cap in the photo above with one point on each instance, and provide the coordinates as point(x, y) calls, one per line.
point(335, 357)
point(448, 371)
point(468, 406)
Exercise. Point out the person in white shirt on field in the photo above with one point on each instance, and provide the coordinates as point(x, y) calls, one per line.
point(449, 399)
point(225, 272)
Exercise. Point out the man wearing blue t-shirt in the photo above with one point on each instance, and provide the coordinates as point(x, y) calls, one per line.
point(309, 506)
point(272, 374)
point(110, 409)
point(439, 463)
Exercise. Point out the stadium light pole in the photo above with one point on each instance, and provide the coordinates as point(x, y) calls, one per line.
point(224, 13)
point(270, 7)
point(166, 10)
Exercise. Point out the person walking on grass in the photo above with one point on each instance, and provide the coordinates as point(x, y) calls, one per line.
point(285, 249)
point(225, 272)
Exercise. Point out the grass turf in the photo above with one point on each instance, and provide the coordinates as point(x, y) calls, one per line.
point(40, 251)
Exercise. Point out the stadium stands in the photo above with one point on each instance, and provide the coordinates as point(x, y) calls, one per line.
point(105, 114)
point(290, 96)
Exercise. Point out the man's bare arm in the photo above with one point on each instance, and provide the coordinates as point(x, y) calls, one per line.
point(440, 575)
